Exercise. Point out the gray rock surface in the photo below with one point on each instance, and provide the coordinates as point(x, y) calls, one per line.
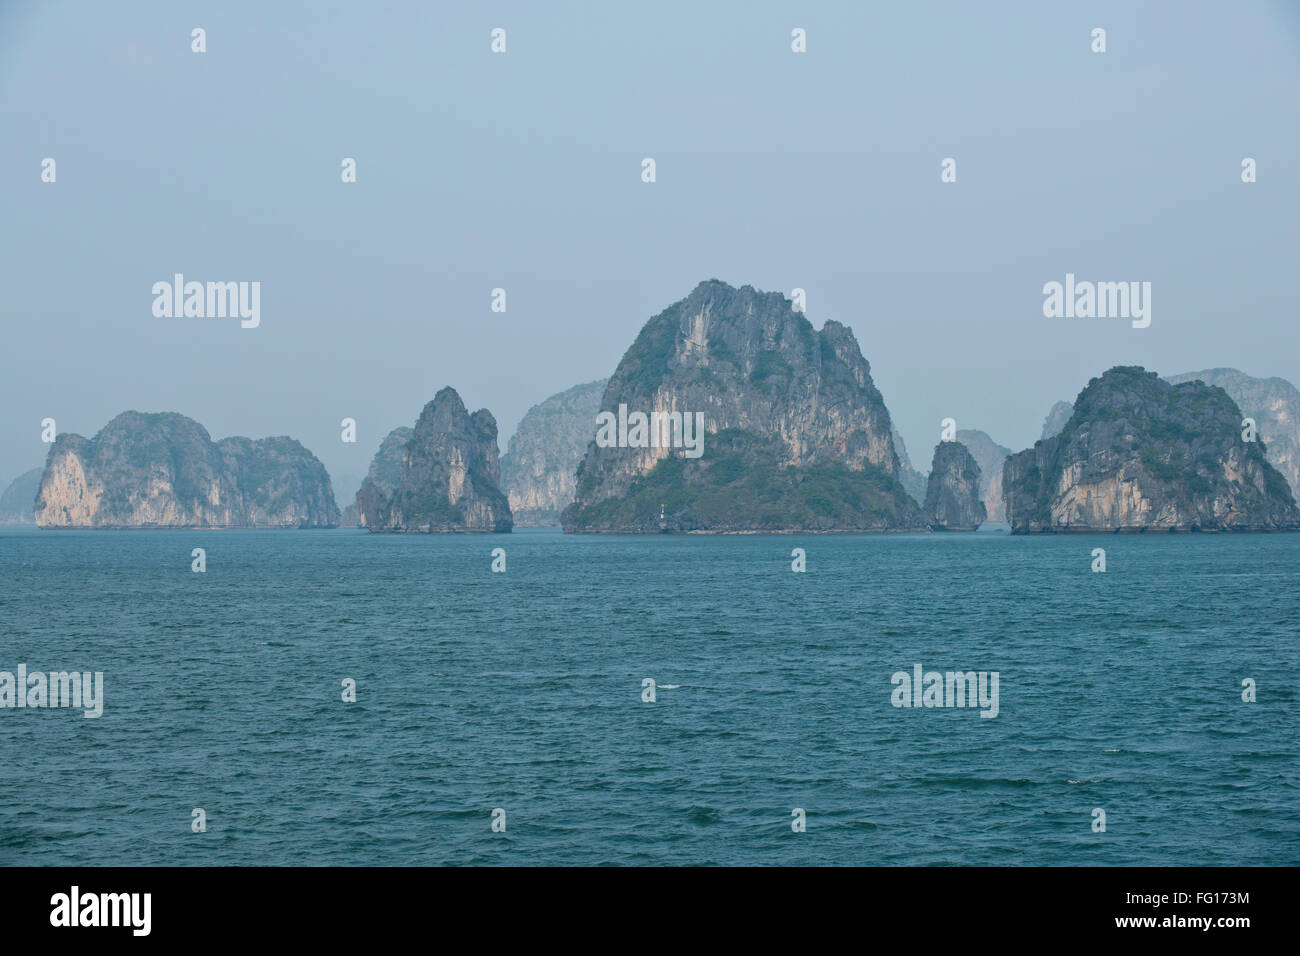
point(449, 478)
point(1140, 454)
point(539, 470)
point(1274, 403)
point(990, 456)
point(952, 498)
point(162, 470)
point(786, 396)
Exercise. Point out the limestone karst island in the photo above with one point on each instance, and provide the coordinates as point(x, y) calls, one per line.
point(794, 436)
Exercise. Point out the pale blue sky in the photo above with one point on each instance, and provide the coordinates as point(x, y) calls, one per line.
point(779, 170)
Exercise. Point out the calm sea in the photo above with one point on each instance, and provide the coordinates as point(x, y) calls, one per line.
point(522, 691)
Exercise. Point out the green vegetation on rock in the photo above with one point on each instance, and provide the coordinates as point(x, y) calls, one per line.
point(740, 485)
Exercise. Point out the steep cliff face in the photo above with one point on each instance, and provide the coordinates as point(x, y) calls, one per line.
point(449, 479)
point(1056, 419)
point(386, 466)
point(384, 476)
point(990, 456)
point(912, 480)
point(18, 503)
point(281, 484)
point(539, 471)
point(1141, 454)
point(952, 497)
point(788, 397)
point(1274, 403)
point(164, 471)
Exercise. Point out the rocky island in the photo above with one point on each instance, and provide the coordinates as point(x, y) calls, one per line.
point(162, 470)
point(448, 478)
point(18, 502)
point(1140, 454)
point(952, 498)
point(796, 435)
point(539, 471)
point(1274, 404)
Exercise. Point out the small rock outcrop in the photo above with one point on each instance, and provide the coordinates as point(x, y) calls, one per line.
point(1140, 454)
point(448, 480)
point(162, 470)
point(952, 496)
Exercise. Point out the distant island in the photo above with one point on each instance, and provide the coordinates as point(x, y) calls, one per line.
point(539, 470)
point(1140, 454)
point(18, 501)
point(1274, 404)
point(444, 477)
point(990, 456)
point(729, 413)
point(798, 438)
point(162, 470)
point(953, 500)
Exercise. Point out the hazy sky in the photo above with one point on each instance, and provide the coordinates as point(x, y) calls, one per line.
point(523, 171)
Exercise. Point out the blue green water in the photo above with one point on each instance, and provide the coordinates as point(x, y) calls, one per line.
point(522, 690)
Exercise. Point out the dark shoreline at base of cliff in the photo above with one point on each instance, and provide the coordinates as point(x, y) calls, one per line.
point(1180, 529)
point(436, 531)
point(190, 527)
point(653, 534)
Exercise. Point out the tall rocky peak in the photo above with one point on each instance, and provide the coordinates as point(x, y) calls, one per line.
point(990, 456)
point(539, 471)
point(158, 470)
point(750, 364)
point(449, 479)
point(18, 502)
point(1274, 404)
point(1138, 453)
point(952, 497)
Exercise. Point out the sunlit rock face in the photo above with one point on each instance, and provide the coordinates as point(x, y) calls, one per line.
point(1141, 454)
point(774, 393)
point(162, 470)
